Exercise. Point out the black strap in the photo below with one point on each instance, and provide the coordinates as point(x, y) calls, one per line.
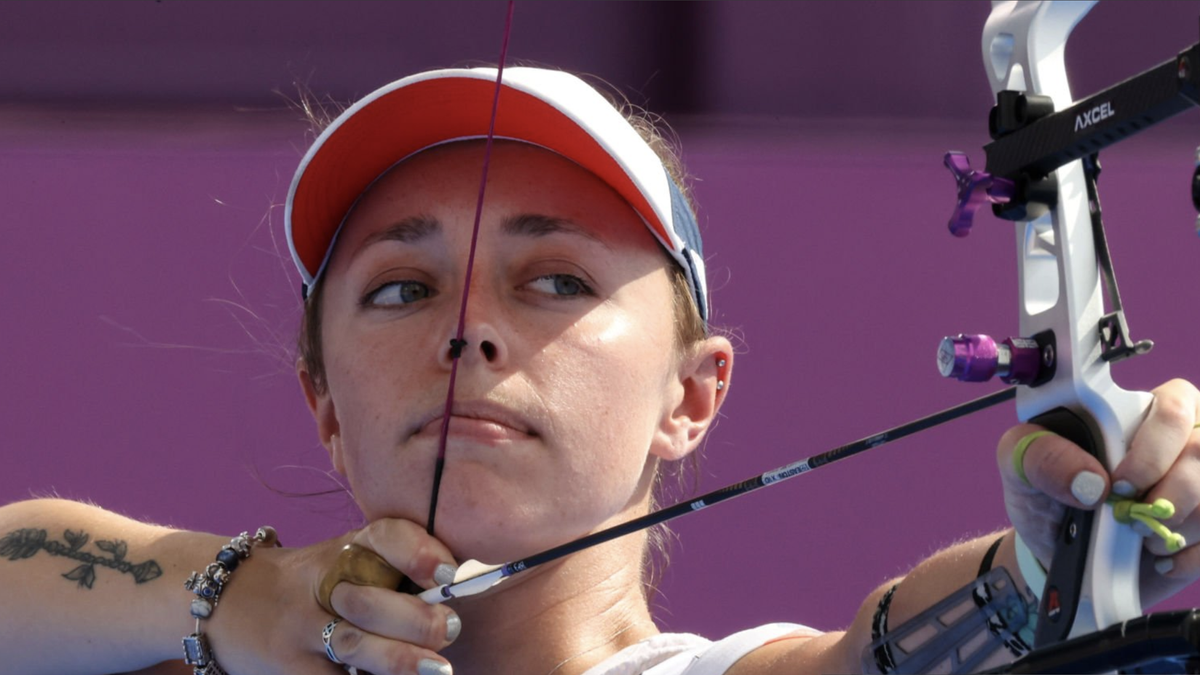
point(986, 565)
point(884, 660)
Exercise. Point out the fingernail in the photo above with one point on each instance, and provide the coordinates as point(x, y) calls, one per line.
point(1142, 529)
point(444, 574)
point(1124, 488)
point(431, 667)
point(453, 627)
point(1087, 487)
point(1164, 565)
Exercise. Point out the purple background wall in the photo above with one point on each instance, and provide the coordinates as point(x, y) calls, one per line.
point(149, 305)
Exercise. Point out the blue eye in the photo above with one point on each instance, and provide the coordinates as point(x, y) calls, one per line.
point(398, 293)
point(565, 285)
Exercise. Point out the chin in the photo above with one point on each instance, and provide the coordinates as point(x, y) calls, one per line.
point(496, 519)
point(498, 537)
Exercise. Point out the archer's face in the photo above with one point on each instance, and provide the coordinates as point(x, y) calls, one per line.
point(570, 366)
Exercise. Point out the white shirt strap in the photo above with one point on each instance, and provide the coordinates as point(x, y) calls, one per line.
point(720, 656)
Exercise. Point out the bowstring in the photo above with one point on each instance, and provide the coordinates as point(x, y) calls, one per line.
point(457, 344)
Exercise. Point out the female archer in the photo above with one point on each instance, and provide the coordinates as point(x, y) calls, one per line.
point(583, 364)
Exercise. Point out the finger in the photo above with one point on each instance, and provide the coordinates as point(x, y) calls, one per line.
point(396, 615)
point(1164, 576)
point(1181, 487)
point(365, 651)
point(410, 549)
point(1159, 440)
point(1053, 466)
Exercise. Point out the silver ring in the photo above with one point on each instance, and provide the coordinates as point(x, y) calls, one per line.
point(327, 638)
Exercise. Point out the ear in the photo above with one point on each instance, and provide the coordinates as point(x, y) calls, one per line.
point(320, 404)
point(704, 378)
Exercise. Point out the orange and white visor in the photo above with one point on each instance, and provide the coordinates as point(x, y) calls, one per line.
point(548, 108)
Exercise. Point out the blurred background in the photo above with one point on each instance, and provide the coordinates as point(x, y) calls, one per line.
point(149, 306)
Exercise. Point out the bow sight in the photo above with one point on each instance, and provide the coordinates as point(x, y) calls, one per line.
point(1031, 141)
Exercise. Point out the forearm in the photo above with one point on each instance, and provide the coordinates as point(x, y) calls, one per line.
point(947, 571)
point(937, 577)
point(89, 591)
point(932, 580)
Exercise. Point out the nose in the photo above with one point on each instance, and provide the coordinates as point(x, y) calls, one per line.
point(482, 342)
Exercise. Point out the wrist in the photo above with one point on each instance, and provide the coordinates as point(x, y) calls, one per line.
point(182, 552)
point(1030, 577)
point(208, 586)
point(1031, 570)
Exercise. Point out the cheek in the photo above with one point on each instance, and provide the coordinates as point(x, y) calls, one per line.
point(360, 382)
point(375, 368)
point(371, 381)
point(611, 389)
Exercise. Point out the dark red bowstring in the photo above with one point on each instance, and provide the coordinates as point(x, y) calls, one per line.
point(457, 344)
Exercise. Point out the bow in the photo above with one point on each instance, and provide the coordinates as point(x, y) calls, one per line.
point(1070, 339)
point(1041, 172)
point(1061, 310)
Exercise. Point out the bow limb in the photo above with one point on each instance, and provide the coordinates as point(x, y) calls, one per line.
point(1062, 299)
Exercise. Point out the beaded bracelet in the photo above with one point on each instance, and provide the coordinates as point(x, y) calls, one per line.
point(207, 586)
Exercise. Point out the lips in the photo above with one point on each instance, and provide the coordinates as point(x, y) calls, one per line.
point(479, 418)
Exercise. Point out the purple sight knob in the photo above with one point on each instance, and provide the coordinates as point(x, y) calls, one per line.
point(978, 358)
point(969, 358)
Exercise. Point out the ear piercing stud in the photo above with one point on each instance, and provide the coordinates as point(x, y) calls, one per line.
point(720, 383)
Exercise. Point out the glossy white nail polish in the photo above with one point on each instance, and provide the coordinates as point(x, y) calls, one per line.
point(444, 574)
point(431, 667)
point(1164, 565)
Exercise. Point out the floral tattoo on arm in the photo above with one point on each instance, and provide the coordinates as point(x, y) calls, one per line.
point(26, 543)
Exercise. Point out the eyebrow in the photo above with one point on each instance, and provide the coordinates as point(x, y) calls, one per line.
point(537, 225)
point(414, 229)
point(408, 231)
